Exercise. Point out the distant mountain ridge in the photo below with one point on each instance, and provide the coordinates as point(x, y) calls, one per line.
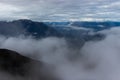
point(96, 26)
point(26, 27)
point(69, 30)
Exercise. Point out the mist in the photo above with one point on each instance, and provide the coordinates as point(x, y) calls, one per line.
point(95, 60)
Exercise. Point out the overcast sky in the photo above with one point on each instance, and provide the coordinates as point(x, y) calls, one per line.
point(60, 10)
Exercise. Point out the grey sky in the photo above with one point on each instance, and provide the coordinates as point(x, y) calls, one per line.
point(60, 10)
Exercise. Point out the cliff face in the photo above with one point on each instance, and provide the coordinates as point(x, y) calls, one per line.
point(18, 67)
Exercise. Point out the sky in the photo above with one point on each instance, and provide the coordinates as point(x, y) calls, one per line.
point(60, 10)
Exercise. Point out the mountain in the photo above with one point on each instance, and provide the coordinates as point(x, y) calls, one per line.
point(14, 66)
point(82, 30)
point(26, 27)
point(95, 26)
point(72, 31)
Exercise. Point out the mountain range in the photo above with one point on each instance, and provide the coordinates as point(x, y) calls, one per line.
point(69, 30)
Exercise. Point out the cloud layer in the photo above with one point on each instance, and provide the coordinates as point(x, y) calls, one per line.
point(60, 10)
point(96, 60)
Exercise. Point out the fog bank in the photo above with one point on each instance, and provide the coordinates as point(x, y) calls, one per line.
point(96, 60)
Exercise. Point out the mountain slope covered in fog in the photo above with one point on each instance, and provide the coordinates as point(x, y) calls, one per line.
point(66, 50)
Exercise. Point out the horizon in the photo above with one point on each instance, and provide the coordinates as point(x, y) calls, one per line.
point(61, 21)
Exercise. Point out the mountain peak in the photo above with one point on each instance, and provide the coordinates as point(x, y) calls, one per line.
point(23, 20)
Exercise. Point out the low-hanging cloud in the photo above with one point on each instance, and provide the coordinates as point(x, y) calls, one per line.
point(96, 60)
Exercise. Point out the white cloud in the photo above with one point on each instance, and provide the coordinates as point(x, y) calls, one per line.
point(43, 10)
point(96, 60)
